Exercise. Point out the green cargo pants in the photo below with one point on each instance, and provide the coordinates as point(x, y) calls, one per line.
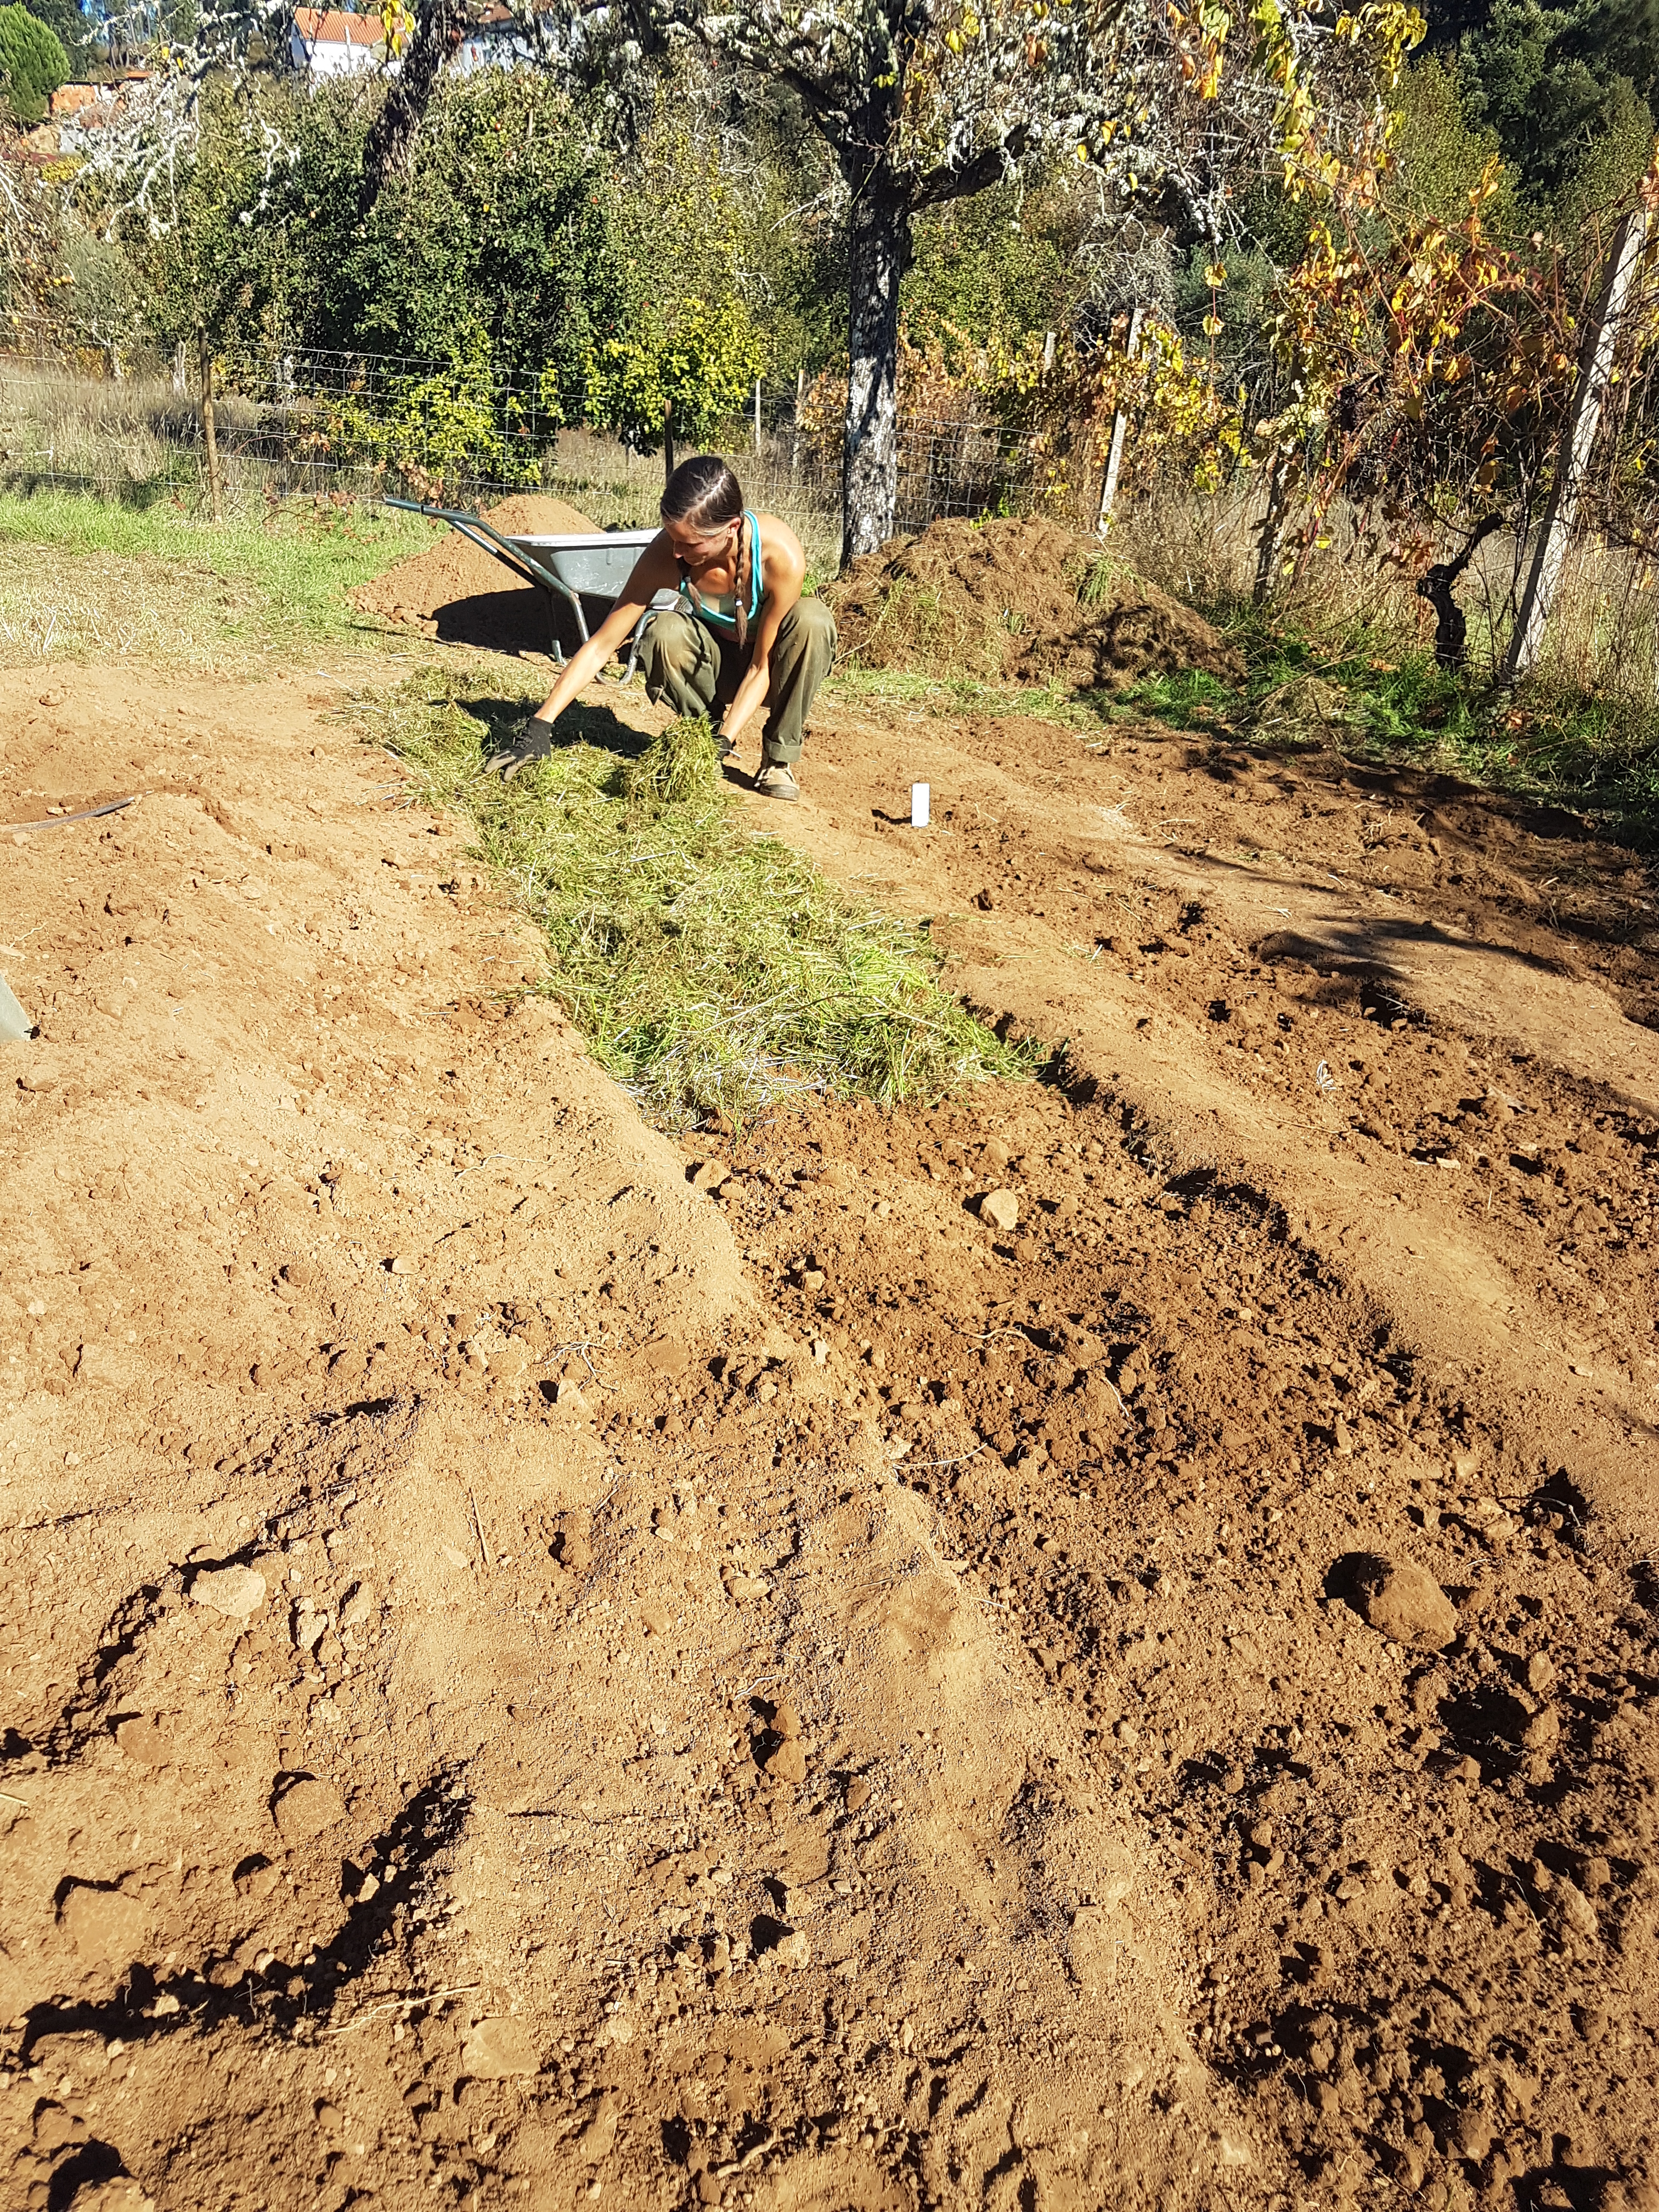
point(692, 670)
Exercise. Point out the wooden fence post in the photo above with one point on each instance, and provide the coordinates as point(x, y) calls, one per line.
point(1578, 442)
point(209, 437)
point(1119, 432)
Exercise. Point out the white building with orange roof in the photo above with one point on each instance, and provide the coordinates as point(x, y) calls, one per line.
point(327, 42)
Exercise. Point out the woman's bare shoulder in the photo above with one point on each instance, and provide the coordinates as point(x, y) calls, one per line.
point(779, 540)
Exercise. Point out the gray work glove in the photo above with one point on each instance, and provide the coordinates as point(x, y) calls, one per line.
point(533, 743)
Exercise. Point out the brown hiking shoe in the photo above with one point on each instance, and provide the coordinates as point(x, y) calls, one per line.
point(777, 782)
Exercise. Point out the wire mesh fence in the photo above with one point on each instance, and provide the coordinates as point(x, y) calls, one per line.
point(306, 421)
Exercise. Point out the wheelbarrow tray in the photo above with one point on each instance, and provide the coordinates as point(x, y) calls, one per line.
point(597, 566)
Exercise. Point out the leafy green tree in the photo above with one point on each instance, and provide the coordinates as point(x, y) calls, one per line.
point(193, 230)
point(33, 63)
point(503, 223)
point(1442, 152)
point(696, 359)
point(988, 272)
point(71, 28)
point(1566, 92)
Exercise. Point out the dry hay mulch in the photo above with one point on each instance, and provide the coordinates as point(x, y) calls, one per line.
point(1020, 601)
point(456, 592)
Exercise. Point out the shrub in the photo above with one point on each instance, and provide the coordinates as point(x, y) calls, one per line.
point(33, 63)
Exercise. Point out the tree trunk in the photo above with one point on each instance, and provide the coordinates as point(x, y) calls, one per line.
point(438, 28)
point(879, 250)
point(1270, 539)
point(209, 437)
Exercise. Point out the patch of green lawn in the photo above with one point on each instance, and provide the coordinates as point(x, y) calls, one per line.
point(83, 578)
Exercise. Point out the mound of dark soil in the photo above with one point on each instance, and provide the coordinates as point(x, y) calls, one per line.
point(1021, 600)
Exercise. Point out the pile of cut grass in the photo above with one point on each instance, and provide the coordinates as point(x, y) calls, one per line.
point(712, 970)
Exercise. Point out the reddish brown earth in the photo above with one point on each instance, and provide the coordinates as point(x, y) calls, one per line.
point(1018, 598)
point(457, 594)
point(774, 1675)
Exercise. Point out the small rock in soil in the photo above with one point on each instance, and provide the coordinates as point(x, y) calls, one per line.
point(1576, 1908)
point(497, 2049)
point(1001, 1208)
point(786, 1721)
point(235, 1591)
point(1403, 1601)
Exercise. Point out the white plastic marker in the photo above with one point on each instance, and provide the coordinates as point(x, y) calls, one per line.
point(921, 797)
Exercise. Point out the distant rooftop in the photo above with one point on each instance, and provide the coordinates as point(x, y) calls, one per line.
point(333, 27)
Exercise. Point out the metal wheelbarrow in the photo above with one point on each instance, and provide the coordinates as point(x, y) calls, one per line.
point(595, 565)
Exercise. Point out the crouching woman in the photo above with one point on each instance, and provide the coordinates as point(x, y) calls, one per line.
point(740, 639)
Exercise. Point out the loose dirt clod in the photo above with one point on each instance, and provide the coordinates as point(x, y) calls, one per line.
point(787, 1763)
point(148, 1740)
point(1020, 599)
point(235, 1591)
point(104, 1923)
point(496, 2049)
point(118, 2195)
point(306, 1809)
point(1401, 1600)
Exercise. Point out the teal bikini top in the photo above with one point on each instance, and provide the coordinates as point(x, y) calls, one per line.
point(719, 612)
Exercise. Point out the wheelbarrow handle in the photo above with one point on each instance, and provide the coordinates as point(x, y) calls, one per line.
point(488, 539)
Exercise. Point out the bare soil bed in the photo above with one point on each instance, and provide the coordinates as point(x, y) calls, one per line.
point(1094, 1645)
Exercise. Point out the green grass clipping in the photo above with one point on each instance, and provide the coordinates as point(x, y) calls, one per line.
point(712, 969)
